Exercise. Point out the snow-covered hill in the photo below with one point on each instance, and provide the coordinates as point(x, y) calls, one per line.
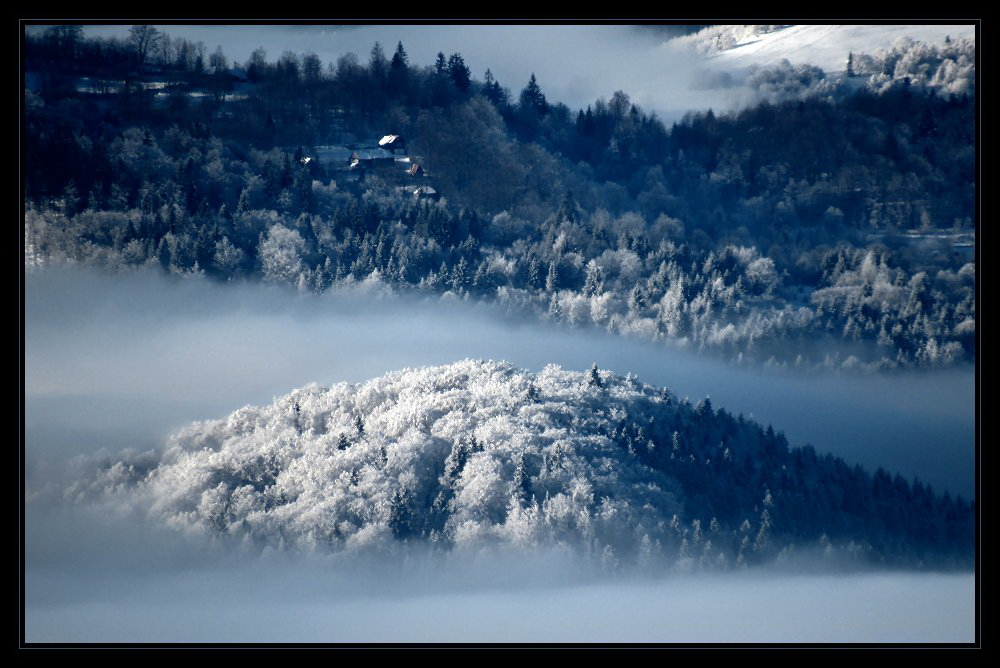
point(775, 63)
point(824, 46)
point(480, 453)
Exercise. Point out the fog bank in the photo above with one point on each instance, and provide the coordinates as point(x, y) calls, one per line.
point(216, 605)
point(122, 362)
point(91, 578)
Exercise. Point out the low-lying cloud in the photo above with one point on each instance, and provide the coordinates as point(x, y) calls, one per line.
point(110, 580)
point(113, 363)
point(122, 361)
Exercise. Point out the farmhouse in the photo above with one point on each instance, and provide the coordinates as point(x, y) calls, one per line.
point(425, 192)
point(369, 157)
point(393, 143)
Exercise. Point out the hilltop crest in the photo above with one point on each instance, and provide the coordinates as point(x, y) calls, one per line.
point(480, 453)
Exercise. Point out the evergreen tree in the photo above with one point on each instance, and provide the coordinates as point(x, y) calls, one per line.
point(552, 279)
point(494, 92)
point(399, 73)
point(441, 88)
point(533, 98)
point(594, 378)
point(532, 394)
point(532, 106)
point(377, 64)
point(594, 284)
point(400, 516)
point(459, 73)
point(400, 61)
point(520, 484)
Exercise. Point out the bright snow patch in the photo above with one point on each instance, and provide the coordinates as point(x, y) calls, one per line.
point(825, 46)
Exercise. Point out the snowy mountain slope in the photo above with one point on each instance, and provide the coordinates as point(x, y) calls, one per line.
point(824, 46)
point(479, 453)
point(748, 64)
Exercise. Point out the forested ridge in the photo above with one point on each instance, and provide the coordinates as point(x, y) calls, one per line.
point(478, 454)
point(831, 224)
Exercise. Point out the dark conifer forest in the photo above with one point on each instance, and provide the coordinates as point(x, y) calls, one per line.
point(846, 243)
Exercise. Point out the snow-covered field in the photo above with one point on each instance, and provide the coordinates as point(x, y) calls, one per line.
point(825, 46)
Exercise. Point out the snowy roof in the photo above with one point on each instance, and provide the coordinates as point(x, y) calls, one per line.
point(388, 140)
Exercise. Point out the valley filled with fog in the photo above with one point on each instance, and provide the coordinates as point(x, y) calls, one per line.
point(114, 364)
point(150, 354)
point(157, 592)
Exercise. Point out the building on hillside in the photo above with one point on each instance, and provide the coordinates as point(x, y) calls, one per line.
point(369, 157)
point(424, 192)
point(393, 143)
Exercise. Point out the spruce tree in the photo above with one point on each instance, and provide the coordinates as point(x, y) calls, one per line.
point(399, 73)
point(400, 61)
point(594, 378)
point(533, 98)
point(459, 72)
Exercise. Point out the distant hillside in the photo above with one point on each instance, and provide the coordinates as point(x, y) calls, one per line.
point(855, 231)
point(824, 46)
point(785, 62)
point(479, 453)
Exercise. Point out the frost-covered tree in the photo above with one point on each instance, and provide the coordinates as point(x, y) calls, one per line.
point(459, 455)
point(281, 255)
